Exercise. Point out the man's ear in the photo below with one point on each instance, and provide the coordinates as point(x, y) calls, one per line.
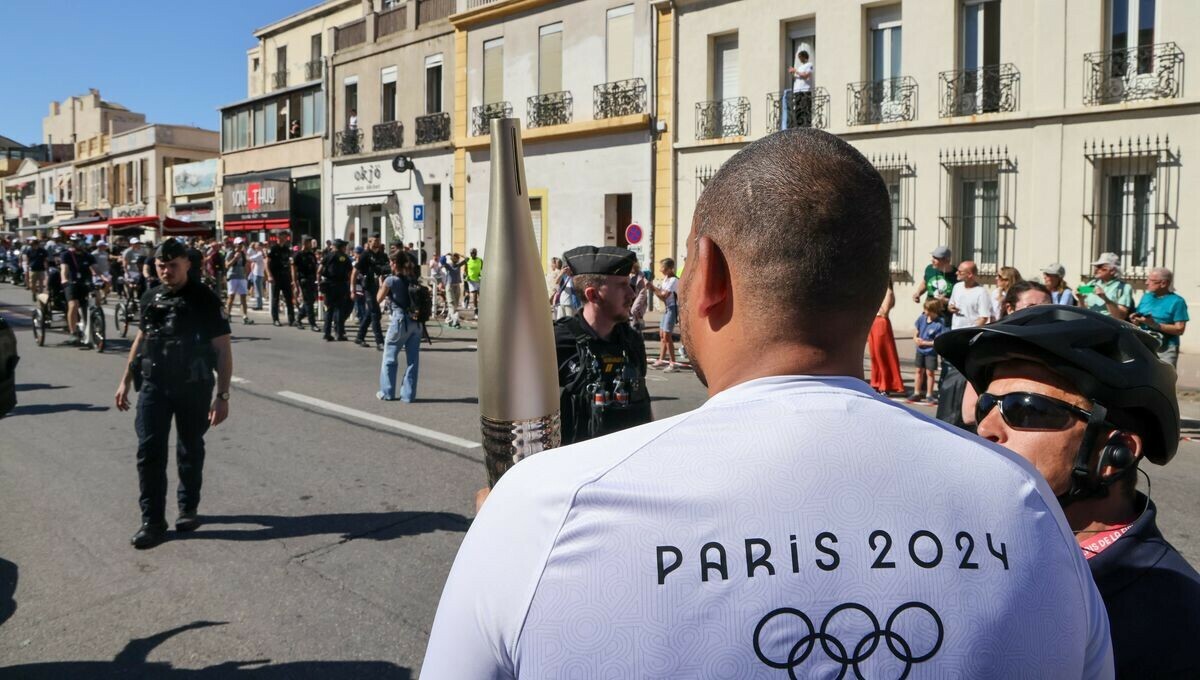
point(1128, 440)
point(711, 290)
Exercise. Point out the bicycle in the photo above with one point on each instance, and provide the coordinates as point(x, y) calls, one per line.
point(127, 309)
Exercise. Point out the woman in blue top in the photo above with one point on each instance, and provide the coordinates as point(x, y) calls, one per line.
point(403, 331)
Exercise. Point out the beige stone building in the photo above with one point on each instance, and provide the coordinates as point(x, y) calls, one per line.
point(1018, 132)
point(391, 95)
point(580, 76)
point(83, 116)
point(273, 143)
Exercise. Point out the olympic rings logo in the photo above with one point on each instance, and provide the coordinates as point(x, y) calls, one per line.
point(835, 649)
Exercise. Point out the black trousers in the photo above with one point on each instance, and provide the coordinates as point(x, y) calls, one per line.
point(283, 287)
point(374, 315)
point(187, 404)
point(308, 297)
point(337, 303)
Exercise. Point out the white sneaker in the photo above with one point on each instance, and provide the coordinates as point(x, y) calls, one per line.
point(671, 369)
point(658, 363)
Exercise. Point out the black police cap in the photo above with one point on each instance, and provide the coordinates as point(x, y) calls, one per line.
point(169, 250)
point(606, 260)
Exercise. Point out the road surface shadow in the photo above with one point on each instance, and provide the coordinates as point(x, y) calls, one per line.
point(449, 400)
point(246, 338)
point(376, 526)
point(44, 409)
point(653, 398)
point(8, 589)
point(435, 348)
point(131, 662)
point(29, 387)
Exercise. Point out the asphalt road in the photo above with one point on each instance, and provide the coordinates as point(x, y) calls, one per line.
point(331, 518)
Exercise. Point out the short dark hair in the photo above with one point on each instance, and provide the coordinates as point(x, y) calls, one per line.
point(804, 53)
point(1013, 295)
point(581, 282)
point(802, 212)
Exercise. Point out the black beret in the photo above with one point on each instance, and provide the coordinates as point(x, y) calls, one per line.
point(169, 250)
point(606, 260)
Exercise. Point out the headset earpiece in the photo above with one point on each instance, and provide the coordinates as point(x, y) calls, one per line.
point(1115, 454)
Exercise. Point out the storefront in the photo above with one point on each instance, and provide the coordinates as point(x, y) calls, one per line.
point(257, 205)
point(193, 196)
point(373, 199)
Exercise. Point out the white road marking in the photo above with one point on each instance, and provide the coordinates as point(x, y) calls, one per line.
point(380, 420)
point(236, 380)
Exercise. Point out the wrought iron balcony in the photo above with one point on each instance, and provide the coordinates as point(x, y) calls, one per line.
point(1143, 72)
point(619, 98)
point(481, 115)
point(279, 79)
point(312, 70)
point(552, 108)
point(433, 128)
point(724, 118)
point(881, 101)
point(790, 109)
point(990, 89)
point(387, 136)
point(348, 142)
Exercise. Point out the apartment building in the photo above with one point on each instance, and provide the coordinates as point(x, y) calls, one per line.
point(1018, 132)
point(83, 116)
point(390, 100)
point(36, 195)
point(273, 142)
point(579, 75)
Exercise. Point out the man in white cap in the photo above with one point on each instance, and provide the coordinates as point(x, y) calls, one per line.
point(1106, 292)
point(134, 257)
point(939, 277)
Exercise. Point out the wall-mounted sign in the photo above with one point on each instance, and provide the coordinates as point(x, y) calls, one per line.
point(257, 199)
point(372, 177)
point(130, 210)
point(195, 178)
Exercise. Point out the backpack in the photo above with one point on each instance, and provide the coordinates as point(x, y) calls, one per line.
point(420, 302)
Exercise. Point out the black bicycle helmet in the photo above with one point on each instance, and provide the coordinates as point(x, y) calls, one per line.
point(1109, 361)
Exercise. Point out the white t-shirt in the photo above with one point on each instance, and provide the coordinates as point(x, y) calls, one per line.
point(670, 285)
point(973, 304)
point(801, 84)
point(790, 522)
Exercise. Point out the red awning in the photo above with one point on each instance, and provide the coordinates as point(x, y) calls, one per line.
point(258, 225)
point(128, 224)
point(95, 229)
point(174, 227)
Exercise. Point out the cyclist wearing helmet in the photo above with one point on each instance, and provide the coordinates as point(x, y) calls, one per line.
point(1083, 397)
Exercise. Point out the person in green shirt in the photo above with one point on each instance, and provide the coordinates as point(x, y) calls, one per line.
point(939, 278)
point(1106, 293)
point(474, 265)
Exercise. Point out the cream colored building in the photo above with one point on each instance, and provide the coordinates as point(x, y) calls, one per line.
point(1018, 132)
point(37, 195)
point(580, 76)
point(83, 116)
point(391, 95)
point(276, 138)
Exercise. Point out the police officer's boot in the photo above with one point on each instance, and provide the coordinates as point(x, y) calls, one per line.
point(149, 535)
point(187, 521)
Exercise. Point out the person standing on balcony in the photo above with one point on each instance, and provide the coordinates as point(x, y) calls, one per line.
point(801, 100)
point(353, 119)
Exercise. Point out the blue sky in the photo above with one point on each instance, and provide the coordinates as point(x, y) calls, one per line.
point(174, 61)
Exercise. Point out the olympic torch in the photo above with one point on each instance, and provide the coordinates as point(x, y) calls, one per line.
point(518, 379)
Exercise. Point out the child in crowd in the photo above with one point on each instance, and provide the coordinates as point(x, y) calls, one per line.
point(929, 327)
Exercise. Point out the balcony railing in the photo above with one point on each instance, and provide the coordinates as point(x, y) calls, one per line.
point(349, 35)
point(312, 70)
point(725, 118)
point(279, 79)
point(472, 4)
point(1142, 72)
point(990, 89)
point(619, 98)
point(432, 10)
point(552, 108)
point(481, 115)
point(348, 142)
point(391, 21)
point(387, 136)
point(433, 128)
point(788, 109)
point(881, 101)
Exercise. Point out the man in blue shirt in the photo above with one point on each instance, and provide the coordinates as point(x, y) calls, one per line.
point(1162, 312)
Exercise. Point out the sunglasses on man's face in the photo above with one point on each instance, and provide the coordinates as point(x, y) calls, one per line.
point(1029, 411)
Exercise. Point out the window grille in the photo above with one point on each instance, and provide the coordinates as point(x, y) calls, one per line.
point(900, 177)
point(977, 201)
point(1134, 184)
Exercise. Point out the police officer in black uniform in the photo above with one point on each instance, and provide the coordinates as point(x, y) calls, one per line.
point(334, 275)
point(374, 265)
point(184, 338)
point(304, 273)
point(601, 359)
point(279, 274)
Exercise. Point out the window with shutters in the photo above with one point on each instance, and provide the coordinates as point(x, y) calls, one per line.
point(619, 44)
point(387, 112)
point(144, 180)
point(550, 58)
point(978, 191)
point(725, 67)
point(727, 114)
point(433, 84)
point(493, 71)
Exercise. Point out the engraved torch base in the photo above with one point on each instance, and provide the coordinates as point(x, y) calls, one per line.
point(506, 442)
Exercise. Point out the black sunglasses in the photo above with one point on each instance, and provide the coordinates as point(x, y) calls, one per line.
point(1029, 411)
